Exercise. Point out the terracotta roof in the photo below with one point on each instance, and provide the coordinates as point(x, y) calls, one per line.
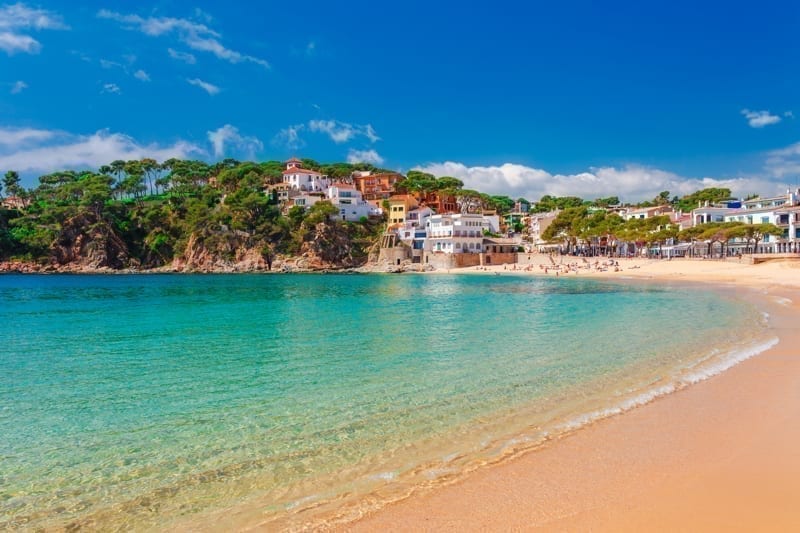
point(298, 170)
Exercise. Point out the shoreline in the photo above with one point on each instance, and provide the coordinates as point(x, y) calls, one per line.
point(716, 454)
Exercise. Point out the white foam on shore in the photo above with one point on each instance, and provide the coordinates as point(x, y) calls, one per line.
point(732, 359)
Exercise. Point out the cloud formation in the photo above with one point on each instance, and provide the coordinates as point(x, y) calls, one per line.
point(141, 75)
point(31, 150)
point(14, 138)
point(17, 17)
point(289, 137)
point(364, 156)
point(195, 35)
point(341, 132)
point(186, 57)
point(111, 88)
point(631, 183)
point(207, 87)
point(759, 119)
point(18, 87)
point(228, 136)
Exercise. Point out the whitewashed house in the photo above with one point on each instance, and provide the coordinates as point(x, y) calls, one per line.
point(303, 179)
point(455, 233)
point(351, 204)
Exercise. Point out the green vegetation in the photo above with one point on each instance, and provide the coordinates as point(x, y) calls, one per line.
point(145, 214)
point(576, 225)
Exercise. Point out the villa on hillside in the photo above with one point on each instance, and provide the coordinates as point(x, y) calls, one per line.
point(303, 179)
point(376, 186)
point(352, 206)
point(14, 202)
point(441, 203)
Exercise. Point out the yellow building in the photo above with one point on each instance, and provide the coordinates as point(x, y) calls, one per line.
point(399, 205)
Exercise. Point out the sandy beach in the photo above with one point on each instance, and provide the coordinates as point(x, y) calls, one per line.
point(719, 455)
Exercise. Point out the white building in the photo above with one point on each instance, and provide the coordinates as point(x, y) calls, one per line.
point(539, 223)
point(305, 200)
point(647, 212)
point(782, 211)
point(455, 233)
point(303, 179)
point(413, 230)
point(351, 204)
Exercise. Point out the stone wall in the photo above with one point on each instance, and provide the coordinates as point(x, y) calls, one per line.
point(441, 260)
point(499, 258)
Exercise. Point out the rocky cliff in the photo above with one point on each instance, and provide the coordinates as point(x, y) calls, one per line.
point(88, 242)
point(223, 251)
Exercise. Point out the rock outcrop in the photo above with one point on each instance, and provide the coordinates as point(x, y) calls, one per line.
point(331, 247)
point(223, 251)
point(89, 242)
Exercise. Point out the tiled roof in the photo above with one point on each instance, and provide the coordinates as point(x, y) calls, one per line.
point(298, 170)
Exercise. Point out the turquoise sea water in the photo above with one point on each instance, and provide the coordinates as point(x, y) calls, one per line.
point(190, 401)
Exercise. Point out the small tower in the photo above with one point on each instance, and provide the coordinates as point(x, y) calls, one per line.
point(293, 163)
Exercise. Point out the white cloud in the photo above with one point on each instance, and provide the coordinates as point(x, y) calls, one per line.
point(18, 87)
point(212, 45)
point(111, 88)
point(784, 162)
point(186, 57)
point(17, 17)
point(290, 137)
point(21, 16)
point(105, 63)
point(18, 137)
point(195, 35)
point(311, 47)
point(759, 119)
point(341, 132)
point(47, 151)
point(207, 87)
point(364, 156)
point(14, 42)
point(141, 75)
point(229, 136)
point(631, 182)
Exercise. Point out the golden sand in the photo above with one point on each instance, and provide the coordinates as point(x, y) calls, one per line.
point(722, 455)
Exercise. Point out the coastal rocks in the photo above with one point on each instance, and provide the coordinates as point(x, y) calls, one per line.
point(222, 251)
point(329, 248)
point(87, 242)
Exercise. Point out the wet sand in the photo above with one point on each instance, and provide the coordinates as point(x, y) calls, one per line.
point(723, 454)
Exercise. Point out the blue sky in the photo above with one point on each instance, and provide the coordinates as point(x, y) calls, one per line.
point(519, 98)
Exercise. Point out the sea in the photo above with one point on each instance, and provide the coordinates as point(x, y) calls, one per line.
point(216, 402)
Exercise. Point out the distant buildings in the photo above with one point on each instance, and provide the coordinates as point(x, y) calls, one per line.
point(782, 211)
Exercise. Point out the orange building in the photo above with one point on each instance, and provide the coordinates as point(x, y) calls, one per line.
point(442, 204)
point(376, 186)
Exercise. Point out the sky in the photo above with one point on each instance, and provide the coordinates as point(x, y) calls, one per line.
point(591, 99)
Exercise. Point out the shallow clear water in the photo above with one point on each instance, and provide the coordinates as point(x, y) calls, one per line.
point(139, 401)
